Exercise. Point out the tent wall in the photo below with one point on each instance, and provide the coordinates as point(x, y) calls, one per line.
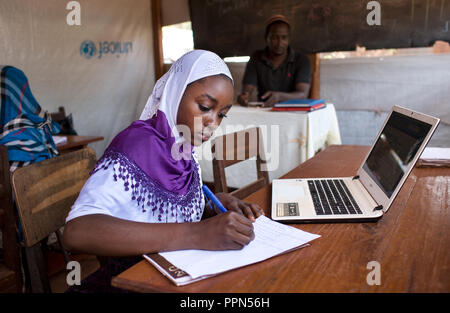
point(104, 91)
point(363, 89)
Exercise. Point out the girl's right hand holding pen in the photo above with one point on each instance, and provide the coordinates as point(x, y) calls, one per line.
point(225, 231)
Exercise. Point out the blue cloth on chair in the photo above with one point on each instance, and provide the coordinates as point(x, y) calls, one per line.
point(25, 128)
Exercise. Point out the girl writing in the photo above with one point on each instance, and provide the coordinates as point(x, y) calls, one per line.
point(141, 198)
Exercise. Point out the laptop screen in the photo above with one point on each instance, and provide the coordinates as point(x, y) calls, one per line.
point(394, 150)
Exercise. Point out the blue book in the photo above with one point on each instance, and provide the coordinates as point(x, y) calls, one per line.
point(299, 103)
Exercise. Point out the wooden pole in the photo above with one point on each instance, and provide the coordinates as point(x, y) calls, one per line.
point(314, 92)
point(157, 38)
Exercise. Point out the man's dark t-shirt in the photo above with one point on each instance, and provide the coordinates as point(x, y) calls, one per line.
point(260, 72)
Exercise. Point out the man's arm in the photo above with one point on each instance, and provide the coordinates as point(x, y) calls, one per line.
point(272, 97)
point(249, 81)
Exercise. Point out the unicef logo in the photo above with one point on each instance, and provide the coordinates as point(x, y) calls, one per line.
point(88, 49)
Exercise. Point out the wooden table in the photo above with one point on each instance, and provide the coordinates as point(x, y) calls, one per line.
point(411, 243)
point(76, 142)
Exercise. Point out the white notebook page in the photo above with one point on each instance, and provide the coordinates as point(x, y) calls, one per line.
point(271, 238)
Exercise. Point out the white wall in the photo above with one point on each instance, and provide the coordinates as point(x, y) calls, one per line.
point(104, 93)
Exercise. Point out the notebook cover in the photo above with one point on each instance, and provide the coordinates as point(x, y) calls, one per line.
point(307, 109)
point(301, 103)
point(174, 274)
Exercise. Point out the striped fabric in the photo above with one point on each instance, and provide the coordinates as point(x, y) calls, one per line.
point(25, 128)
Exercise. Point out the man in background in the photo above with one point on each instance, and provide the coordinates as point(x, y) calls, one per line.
point(278, 72)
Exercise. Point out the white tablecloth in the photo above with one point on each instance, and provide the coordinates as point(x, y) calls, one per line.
point(290, 138)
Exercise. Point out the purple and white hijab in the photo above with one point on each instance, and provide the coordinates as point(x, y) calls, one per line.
point(140, 161)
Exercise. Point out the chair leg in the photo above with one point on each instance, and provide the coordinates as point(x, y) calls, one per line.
point(102, 260)
point(37, 269)
point(63, 249)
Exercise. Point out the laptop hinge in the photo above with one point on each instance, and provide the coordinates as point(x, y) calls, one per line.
point(377, 208)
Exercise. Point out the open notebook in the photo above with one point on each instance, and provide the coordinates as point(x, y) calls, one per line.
point(271, 238)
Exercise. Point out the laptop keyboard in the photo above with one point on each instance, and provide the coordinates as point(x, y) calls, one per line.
point(331, 196)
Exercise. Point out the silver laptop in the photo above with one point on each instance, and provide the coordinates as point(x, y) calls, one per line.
point(367, 195)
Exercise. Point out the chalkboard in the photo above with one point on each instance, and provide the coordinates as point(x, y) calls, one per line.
point(236, 27)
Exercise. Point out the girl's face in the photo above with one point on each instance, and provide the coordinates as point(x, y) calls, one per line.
point(204, 104)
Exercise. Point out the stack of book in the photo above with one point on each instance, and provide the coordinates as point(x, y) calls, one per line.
point(431, 156)
point(306, 105)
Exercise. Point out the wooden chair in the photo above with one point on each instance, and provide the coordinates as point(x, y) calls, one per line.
point(242, 145)
point(10, 269)
point(44, 193)
point(65, 121)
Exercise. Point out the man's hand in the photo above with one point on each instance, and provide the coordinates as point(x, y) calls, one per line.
point(272, 97)
point(247, 90)
point(243, 99)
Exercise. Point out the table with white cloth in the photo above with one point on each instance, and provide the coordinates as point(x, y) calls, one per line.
point(289, 138)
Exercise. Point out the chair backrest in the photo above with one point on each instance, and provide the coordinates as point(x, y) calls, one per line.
point(58, 116)
point(236, 147)
point(45, 192)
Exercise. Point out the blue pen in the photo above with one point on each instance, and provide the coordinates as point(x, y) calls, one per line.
point(213, 198)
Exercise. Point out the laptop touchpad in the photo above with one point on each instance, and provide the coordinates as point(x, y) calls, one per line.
point(291, 191)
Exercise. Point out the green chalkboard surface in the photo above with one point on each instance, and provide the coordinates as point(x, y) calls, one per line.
point(236, 27)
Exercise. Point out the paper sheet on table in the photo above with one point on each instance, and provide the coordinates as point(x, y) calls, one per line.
point(59, 139)
point(432, 153)
point(271, 238)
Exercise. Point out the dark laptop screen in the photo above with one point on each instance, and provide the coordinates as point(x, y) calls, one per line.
point(394, 150)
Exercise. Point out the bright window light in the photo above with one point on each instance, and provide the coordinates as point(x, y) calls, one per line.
point(177, 40)
point(237, 59)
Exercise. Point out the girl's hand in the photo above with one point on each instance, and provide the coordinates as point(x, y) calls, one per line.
point(250, 210)
point(225, 231)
